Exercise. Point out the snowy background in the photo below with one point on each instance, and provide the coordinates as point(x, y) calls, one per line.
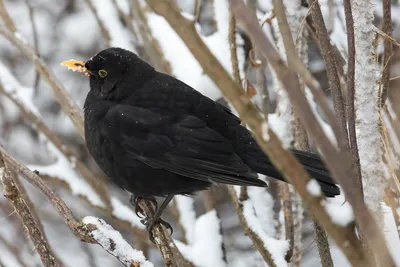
point(69, 30)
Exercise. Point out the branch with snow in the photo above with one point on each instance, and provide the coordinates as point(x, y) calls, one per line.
point(113, 242)
point(367, 109)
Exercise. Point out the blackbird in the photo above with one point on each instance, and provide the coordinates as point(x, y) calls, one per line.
point(156, 136)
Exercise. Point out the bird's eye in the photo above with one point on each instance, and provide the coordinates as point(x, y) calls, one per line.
point(102, 73)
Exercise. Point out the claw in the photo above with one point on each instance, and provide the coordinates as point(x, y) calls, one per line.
point(138, 210)
point(151, 222)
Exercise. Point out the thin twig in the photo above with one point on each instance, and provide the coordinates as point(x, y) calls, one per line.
point(323, 246)
point(103, 29)
point(13, 194)
point(61, 96)
point(6, 17)
point(257, 241)
point(351, 119)
point(35, 41)
point(388, 49)
point(331, 71)
point(288, 217)
point(232, 47)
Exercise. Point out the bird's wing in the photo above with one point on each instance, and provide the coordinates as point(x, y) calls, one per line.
point(182, 144)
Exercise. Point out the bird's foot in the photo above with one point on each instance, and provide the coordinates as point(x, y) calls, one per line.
point(138, 210)
point(151, 222)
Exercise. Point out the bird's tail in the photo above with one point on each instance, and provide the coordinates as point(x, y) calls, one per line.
point(311, 162)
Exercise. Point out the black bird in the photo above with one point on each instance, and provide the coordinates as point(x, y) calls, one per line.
point(154, 135)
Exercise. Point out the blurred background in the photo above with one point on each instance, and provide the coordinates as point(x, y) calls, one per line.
point(78, 29)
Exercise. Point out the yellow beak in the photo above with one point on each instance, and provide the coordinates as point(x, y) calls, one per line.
point(76, 65)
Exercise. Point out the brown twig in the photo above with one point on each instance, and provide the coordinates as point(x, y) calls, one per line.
point(329, 55)
point(257, 241)
point(103, 29)
point(351, 119)
point(288, 215)
point(13, 194)
point(150, 44)
point(233, 47)
point(6, 17)
point(323, 246)
point(339, 162)
point(61, 95)
point(388, 49)
point(35, 41)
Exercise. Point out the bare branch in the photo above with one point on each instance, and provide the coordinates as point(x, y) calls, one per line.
point(61, 95)
point(333, 78)
point(103, 29)
point(288, 215)
point(6, 17)
point(12, 193)
point(351, 91)
point(388, 49)
point(254, 236)
point(232, 47)
point(35, 41)
point(323, 245)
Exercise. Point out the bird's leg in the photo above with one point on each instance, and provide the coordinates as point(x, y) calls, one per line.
point(150, 222)
point(138, 210)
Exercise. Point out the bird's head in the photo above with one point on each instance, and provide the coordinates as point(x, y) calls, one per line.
point(114, 72)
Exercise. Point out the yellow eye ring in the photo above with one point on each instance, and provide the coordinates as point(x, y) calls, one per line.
point(102, 73)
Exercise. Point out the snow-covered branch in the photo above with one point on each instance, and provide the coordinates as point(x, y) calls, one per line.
point(367, 109)
point(113, 242)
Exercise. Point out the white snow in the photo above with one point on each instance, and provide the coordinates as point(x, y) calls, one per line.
point(391, 233)
point(62, 169)
point(119, 35)
point(187, 215)
point(367, 112)
point(206, 248)
point(113, 242)
point(263, 205)
point(340, 212)
point(277, 248)
point(313, 188)
point(1, 172)
point(125, 213)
